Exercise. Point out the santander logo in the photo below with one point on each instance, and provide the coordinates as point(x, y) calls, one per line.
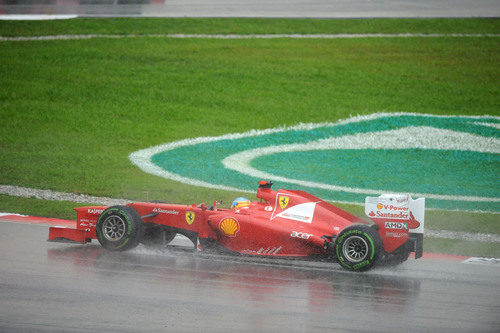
point(397, 211)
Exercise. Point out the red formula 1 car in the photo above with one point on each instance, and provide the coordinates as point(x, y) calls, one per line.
point(283, 223)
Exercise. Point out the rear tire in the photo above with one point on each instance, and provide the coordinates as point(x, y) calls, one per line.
point(119, 228)
point(358, 248)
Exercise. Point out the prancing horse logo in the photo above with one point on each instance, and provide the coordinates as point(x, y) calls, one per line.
point(190, 217)
point(283, 202)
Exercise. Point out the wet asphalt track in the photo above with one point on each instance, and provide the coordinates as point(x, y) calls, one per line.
point(63, 287)
point(260, 8)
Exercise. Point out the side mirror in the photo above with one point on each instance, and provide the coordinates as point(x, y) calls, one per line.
point(265, 184)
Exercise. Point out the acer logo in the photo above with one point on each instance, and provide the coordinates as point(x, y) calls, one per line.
point(302, 235)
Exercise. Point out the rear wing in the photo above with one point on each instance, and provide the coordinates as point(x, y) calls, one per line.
point(402, 212)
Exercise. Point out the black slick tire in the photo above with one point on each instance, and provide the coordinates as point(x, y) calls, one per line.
point(119, 228)
point(358, 248)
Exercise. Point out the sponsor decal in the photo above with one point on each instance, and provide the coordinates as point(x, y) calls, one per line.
point(283, 201)
point(396, 225)
point(229, 226)
point(361, 264)
point(269, 250)
point(190, 216)
point(295, 217)
point(393, 207)
point(303, 212)
point(414, 224)
point(391, 211)
point(303, 235)
point(86, 222)
point(268, 208)
point(165, 211)
point(399, 216)
point(396, 234)
point(95, 210)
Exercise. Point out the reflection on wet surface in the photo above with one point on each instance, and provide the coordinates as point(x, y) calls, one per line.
point(257, 285)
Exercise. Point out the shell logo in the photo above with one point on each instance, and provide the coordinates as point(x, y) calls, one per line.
point(229, 226)
point(380, 206)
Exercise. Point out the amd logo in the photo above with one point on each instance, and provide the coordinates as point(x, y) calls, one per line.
point(396, 225)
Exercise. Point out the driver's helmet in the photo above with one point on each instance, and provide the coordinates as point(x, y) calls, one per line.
point(240, 202)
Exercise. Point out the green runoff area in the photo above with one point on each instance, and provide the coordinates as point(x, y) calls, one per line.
point(73, 110)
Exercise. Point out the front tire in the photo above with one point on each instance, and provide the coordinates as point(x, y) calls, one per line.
point(358, 248)
point(119, 228)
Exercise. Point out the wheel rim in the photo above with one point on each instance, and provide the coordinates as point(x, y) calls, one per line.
point(355, 249)
point(113, 228)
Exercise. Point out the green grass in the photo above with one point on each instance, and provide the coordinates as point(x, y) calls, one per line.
point(71, 111)
point(461, 247)
point(246, 26)
point(37, 207)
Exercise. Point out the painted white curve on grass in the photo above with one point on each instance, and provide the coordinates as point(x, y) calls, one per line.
point(405, 138)
point(142, 158)
point(493, 125)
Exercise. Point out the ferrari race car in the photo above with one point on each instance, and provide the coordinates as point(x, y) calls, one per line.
point(283, 223)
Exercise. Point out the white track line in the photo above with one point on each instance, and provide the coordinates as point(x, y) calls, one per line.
point(239, 36)
point(482, 261)
point(29, 17)
point(27, 192)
